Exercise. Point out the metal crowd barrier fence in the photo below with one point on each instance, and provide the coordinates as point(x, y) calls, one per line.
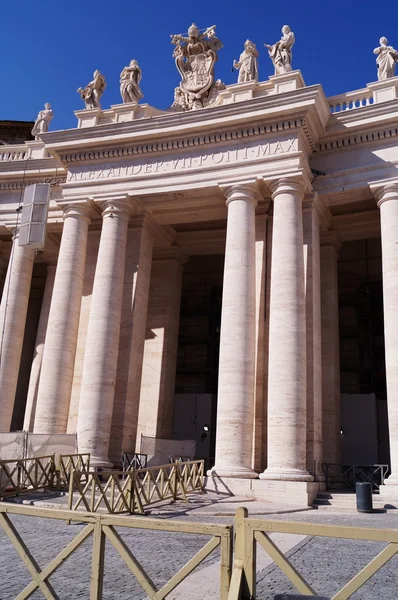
point(26, 474)
point(250, 532)
point(103, 530)
point(41, 472)
point(131, 491)
point(338, 475)
point(134, 460)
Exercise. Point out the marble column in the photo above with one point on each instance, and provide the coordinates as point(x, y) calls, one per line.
point(287, 370)
point(102, 342)
point(387, 197)
point(132, 336)
point(34, 379)
point(155, 418)
point(13, 311)
point(313, 333)
point(237, 362)
point(260, 413)
point(53, 396)
point(331, 404)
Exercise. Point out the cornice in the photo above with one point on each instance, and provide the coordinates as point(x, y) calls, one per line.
point(309, 102)
point(355, 139)
point(187, 142)
point(28, 165)
point(20, 185)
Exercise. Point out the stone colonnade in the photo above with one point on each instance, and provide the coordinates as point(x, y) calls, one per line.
point(301, 402)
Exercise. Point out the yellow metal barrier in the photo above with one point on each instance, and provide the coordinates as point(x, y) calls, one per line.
point(130, 491)
point(103, 529)
point(73, 462)
point(26, 475)
point(250, 532)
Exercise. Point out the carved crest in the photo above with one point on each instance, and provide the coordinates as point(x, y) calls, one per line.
point(195, 57)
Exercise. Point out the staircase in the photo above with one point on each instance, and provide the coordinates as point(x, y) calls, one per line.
point(342, 500)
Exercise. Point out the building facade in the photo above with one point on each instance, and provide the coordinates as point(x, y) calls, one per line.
point(228, 274)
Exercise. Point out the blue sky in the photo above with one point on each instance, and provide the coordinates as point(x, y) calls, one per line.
point(50, 49)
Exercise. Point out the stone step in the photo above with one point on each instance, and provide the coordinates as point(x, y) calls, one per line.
point(342, 500)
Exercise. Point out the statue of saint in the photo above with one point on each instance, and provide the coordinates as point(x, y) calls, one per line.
point(195, 57)
point(130, 79)
point(281, 52)
point(247, 63)
point(42, 121)
point(387, 56)
point(93, 91)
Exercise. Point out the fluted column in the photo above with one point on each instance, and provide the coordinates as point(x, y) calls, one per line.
point(59, 352)
point(102, 342)
point(331, 412)
point(13, 311)
point(236, 383)
point(34, 379)
point(387, 197)
point(132, 336)
point(287, 339)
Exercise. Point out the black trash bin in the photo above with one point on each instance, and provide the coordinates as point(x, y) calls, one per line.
point(364, 497)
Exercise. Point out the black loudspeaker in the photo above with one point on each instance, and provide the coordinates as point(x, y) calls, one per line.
point(32, 231)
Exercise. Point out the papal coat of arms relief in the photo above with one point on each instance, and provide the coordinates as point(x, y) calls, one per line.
point(195, 57)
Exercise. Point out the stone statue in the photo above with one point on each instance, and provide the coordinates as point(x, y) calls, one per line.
point(42, 121)
point(247, 63)
point(93, 91)
point(386, 60)
point(281, 52)
point(195, 57)
point(130, 79)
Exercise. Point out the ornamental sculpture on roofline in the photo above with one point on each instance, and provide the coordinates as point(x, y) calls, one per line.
point(93, 91)
point(130, 79)
point(42, 121)
point(195, 57)
point(386, 59)
point(281, 52)
point(247, 63)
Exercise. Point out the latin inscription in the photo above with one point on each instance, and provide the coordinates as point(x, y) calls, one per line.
point(184, 163)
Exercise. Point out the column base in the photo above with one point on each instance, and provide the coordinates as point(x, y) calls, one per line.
point(287, 492)
point(388, 492)
point(238, 472)
point(275, 474)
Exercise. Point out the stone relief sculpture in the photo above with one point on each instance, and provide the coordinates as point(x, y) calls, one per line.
point(281, 52)
point(130, 79)
point(195, 57)
point(247, 63)
point(42, 121)
point(386, 60)
point(93, 91)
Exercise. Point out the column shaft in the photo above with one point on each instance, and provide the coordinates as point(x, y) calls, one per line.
point(236, 383)
point(34, 379)
point(259, 404)
point(132, 338)
point(388, 203)
point(287, 339)
point(102, 343)
point(53, 397)
point(331, 419)
point(313, 336)
point(13, 311)
point(155, 416)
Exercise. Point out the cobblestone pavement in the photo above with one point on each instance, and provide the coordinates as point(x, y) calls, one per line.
point(326, 564)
